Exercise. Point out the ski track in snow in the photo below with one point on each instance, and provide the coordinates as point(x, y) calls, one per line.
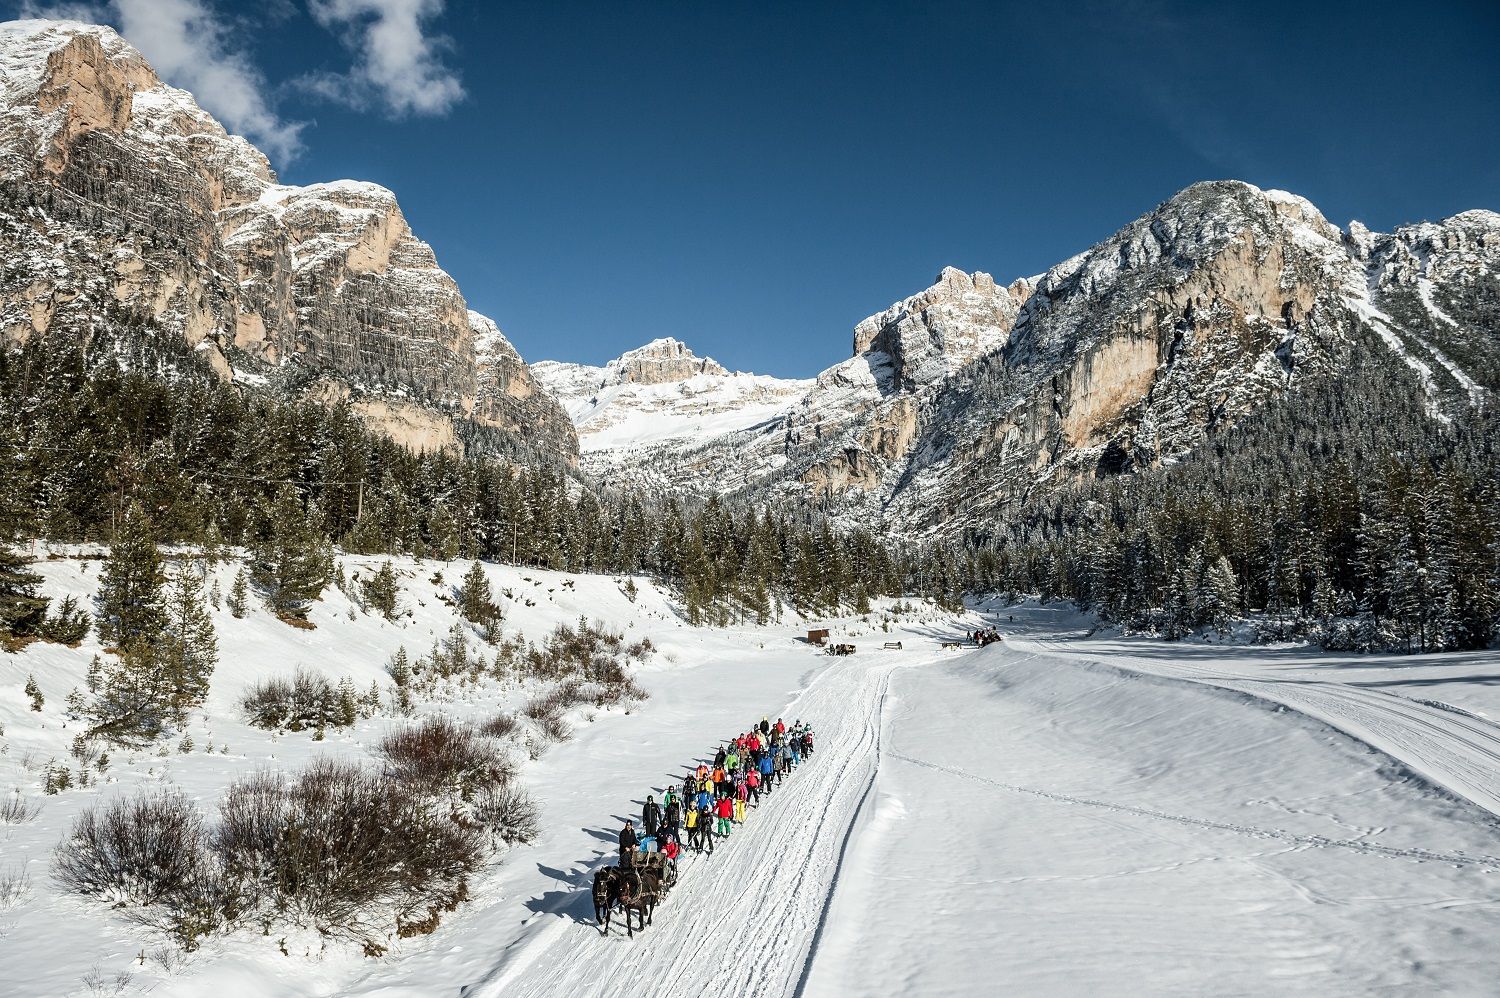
point(1316, 841)
point(1453, 749)
point(743, 921)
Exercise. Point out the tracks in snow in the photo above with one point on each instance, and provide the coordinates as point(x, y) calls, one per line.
point(1453, 749)
point(1491, 863)
point(743, 921)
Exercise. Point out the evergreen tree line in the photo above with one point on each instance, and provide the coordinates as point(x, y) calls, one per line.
point(92, 434)
point(1346, 513)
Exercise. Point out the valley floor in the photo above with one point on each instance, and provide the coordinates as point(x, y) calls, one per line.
point(1054, 815)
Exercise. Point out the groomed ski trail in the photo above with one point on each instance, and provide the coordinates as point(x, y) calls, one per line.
point(742, 921)
point(1450, 748)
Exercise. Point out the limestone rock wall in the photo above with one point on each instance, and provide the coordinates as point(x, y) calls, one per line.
point(122, 202)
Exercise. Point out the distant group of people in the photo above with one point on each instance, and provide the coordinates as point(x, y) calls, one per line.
point(714, 798)
point(984, 637)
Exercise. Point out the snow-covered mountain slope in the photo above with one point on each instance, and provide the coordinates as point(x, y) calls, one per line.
point(968, 396)
point(124, 204)
point(661, 396)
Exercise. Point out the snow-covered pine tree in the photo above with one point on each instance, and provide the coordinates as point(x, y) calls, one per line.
point(239, 594)
point(128, 607)
point(382, 591)
point(293, 562)
point(475, 602)
point(22, 608)
point(188, 650)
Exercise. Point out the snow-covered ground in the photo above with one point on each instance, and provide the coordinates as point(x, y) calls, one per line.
point(1052, 815)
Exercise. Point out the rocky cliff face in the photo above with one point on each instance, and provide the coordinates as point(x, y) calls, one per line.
point(962, 398)
point(122, 201)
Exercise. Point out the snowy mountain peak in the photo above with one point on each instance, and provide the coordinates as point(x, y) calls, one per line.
point(934, 332)
point(662, 360)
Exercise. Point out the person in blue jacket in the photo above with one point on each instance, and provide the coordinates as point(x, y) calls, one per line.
point(766, 768)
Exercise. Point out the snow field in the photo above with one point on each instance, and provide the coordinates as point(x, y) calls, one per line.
point(704, 684)
point(1048, 824)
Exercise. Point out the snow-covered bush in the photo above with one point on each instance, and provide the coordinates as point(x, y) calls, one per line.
point(500, 726)
point(346, 849)
point(149, 853)
point(306, 700)
point(445, 759)
point(509, 814)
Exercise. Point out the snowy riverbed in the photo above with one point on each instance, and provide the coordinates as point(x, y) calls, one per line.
point(1052, 815)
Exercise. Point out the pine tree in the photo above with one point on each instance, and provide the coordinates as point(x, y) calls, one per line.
point(293, 563)
point(188, 650)
point(347, 703)
point(475, 603)
point(35, 693)
point(69, 625)
point(128, 606)
point(383, 591)
point(238, 594)
point(400, 670)
point(22, 610)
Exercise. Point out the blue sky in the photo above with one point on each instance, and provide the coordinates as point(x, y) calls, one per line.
point(754, 178)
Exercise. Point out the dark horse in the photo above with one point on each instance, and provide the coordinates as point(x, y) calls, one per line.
point(637, 891)
point(604, 891)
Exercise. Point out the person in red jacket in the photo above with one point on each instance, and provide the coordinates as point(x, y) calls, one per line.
point(725, 811)
point(780, 728)
point(672, 850)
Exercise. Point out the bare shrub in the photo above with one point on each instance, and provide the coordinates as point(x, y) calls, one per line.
point(148, 853)
point(15, 887)
point(442, 758)
point(17, 810)
point(555, 728)
point(509, 813)
point(353, 850)
point(500, 726)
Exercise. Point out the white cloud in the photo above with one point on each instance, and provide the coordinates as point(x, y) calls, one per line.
point(189, 44)
point(190, 47)
point(397, 64)
point(88, 13)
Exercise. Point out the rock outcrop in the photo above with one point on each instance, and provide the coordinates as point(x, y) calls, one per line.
point(124, 203)
point(962, 398)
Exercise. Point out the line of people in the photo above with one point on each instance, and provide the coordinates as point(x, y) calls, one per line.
point(714, 798)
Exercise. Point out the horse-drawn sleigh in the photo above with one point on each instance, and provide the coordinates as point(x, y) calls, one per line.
point(638, 888)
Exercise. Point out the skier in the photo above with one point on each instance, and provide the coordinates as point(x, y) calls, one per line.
point(780, 728)
point(628, 843)
point(719, 758)
point(651, 815)
point(752, 786)
point(765, 725)
point(766, 769)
